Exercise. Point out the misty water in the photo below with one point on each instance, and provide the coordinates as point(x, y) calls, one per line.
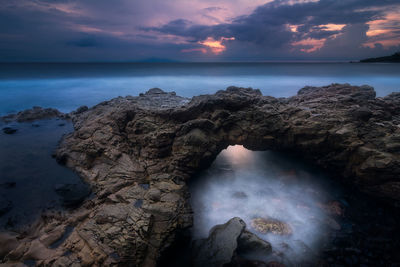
point(68, 86)
point(264, 184)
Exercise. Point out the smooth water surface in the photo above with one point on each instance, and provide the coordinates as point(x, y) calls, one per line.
point(68, 86)
point(28, 173)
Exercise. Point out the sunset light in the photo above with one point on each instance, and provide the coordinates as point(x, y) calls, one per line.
point(309, 45)
point(216, 46)
point(332, 27)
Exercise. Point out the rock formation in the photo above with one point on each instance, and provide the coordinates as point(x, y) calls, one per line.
point(138, 152)
point(225, 242)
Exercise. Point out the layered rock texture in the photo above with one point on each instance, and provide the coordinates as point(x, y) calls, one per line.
point(138, 152)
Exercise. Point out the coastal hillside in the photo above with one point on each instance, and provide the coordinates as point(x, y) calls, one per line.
point(395, 58)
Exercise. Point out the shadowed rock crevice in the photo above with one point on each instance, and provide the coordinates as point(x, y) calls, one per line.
point(161, 140)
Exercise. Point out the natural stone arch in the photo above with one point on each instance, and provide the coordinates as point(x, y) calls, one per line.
point(138, 152)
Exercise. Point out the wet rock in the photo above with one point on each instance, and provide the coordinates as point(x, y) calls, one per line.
point(229, 244)
point(219, 248)
point(9, 130)
point(36, 113)
point(81, 109)
point(8, 242)
point(72, 194)
point(268, 225)
point(155, 91)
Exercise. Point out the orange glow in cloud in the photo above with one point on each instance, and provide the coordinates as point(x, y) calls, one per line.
point(385, 30)
point(384, 42)
point(311, 44)
point(332, 27)
point(216, 46)
point(377, 32)
point(323, 27)
point(293, 28)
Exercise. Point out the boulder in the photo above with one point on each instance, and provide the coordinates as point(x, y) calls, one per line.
point(229, 243)
point(220, 247)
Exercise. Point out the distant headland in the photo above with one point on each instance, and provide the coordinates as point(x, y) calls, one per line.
point(395, 58)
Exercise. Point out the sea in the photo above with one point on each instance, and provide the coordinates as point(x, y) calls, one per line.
point(66, 86)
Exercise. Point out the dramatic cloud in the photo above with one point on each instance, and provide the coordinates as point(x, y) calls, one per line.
point(199, 30)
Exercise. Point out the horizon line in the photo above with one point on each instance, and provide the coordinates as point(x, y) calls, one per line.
point(179, 62)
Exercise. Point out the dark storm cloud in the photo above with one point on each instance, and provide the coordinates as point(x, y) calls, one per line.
point(270, 20)
point(185, 28)
point(267, 26)
point(131, 30)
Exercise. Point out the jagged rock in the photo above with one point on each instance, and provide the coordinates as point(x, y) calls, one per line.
point(268, 225)
point(36, 113)
point(161, 139)
point(81, 109)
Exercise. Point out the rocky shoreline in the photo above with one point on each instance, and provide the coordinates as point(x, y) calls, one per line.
point(138, 152)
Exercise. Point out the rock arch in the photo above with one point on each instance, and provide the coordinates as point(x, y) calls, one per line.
point(137, 153)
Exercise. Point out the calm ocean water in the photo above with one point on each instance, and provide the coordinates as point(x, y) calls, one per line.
point(68, 86)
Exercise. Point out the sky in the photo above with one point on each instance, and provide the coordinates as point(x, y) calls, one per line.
point(197, 30)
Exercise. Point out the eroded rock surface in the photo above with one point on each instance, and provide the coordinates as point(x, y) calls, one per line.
point(137, 153)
